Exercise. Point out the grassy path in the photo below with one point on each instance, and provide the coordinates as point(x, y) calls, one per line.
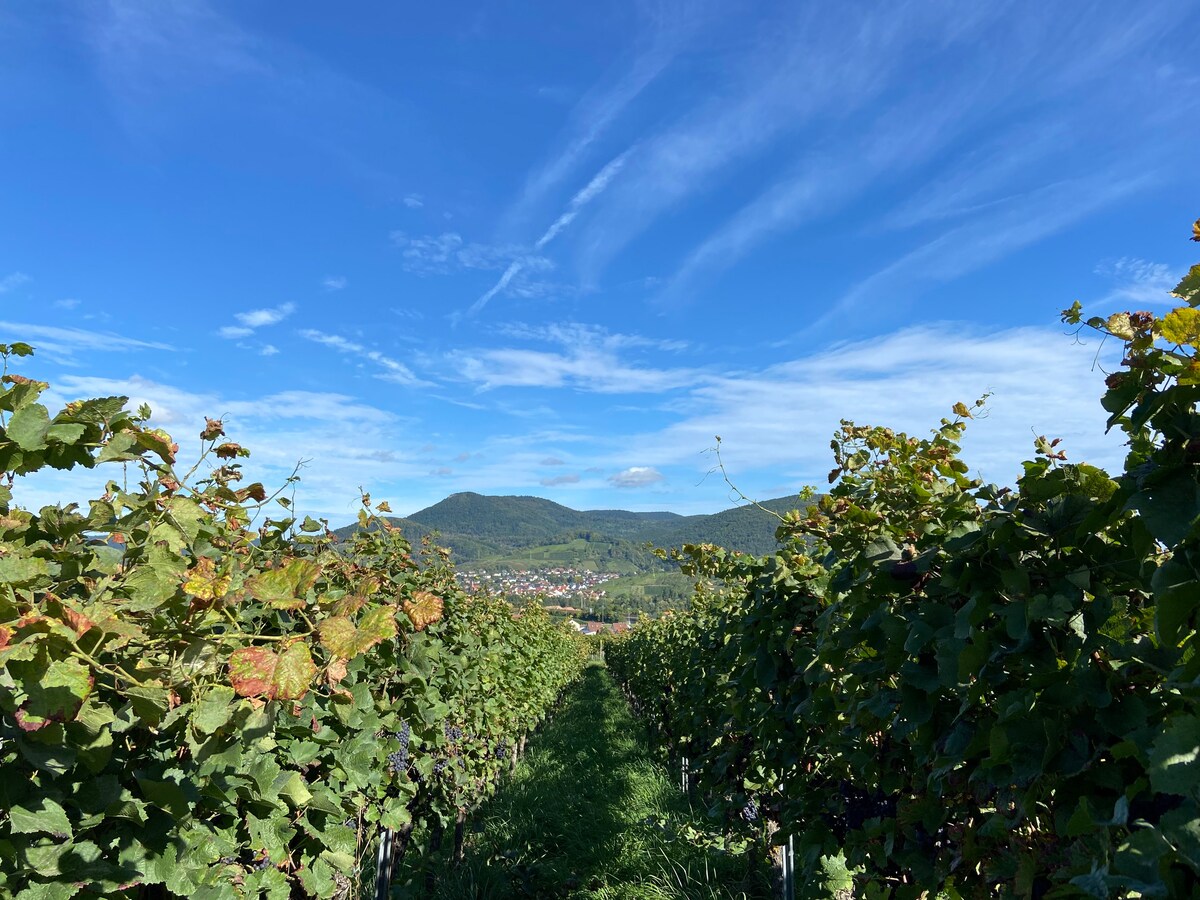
point(591, 814)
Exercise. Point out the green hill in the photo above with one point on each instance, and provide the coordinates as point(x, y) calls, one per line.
point(535, 531)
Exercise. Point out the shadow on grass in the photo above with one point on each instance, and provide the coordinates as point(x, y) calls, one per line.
point(589, 814)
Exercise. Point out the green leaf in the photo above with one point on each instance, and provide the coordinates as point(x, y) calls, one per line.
point(28, 426)
point(55, 890)
point(215, 708)
point(56, 696)
point(1175, 758)
point(22, 569)
point(1176, 599)
point(291, 787)
point(1188, 289)
point(47, 817)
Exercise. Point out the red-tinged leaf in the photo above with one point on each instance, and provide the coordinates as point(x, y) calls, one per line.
point(294, 674)
point(158, 441)
point(213, 429)
point(378, 625)
point(230, 450)
point(285, 588)
point(338, 636)
point(423, 609)
point(255, 492)
point(252, 671)
point(6, 634)
point(77, 620)
point(335, 672)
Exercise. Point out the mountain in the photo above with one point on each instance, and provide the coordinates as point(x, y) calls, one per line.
point(479, 528)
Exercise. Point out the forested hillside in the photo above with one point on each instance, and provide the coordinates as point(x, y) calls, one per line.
point(504, 530)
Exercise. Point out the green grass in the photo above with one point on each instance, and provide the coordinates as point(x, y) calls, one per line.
point(591, 814)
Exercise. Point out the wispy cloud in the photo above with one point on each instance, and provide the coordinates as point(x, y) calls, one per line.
point(1138, 282)
point(68, 341)
point(268, 350)
point(592, 190)
point(558, 480)
point(414, 201)
point(14, 280)
point(671, 26)
point(1010, 227)
point(824, 83)
point(393, 370)
point(334, 282)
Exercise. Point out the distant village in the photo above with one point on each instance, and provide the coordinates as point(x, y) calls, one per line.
point(553, 583)
point(574, 589)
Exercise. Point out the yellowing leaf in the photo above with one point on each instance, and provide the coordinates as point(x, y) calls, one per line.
point(295, 673)
point(380, 624)
point(423, 609)
point(960, 410)
point(1182, 326)
point(337, 635)
point(204, 582)
point(1119, 325)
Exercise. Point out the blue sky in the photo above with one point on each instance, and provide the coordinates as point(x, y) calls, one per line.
point(553, 249)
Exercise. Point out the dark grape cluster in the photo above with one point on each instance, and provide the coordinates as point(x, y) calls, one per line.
point(439, 767)
point(501, 750)
point(261, 864)
point(397, 760)
point(750, 811)
point(454, 734)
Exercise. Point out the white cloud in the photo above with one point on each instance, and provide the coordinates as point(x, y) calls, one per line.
point(591, 360)
point(559, 480)
point(233, 332)
point(334, 282)
point(15, 280)
point(279, 429)
point(268, 350)
point(636, 476)
point(393, 370)
point(414, 201)
point(67, 303)
point(781, 418)
point(258, 318)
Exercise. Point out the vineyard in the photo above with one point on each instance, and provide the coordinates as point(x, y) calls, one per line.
point(964, 689)
point(197, 699)
point(944, 686)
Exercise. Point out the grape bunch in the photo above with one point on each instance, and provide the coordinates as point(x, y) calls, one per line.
point(439, 767)
point(750, 811)
point(397, 760)
point(454, 734)
point(261, 864)
point(501, 750)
